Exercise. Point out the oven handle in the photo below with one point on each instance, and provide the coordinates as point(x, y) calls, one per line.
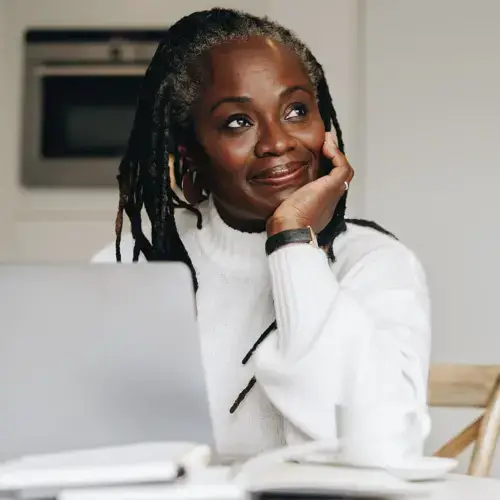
point(90, 70)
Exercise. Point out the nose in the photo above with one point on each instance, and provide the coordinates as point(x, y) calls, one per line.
point(274, 140)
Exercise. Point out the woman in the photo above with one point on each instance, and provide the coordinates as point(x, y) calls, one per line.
point(322, 312)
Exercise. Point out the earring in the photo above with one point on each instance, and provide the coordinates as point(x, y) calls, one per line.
point(191, 183)
point(191, 188)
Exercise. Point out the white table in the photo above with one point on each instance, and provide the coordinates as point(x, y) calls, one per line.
point(452, 487)
point(461, 487)
point(213, 485)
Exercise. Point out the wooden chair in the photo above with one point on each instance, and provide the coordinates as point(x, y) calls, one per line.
point(474, 387)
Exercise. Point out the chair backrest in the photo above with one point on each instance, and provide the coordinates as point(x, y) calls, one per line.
point(466, 386)
point(472, 386)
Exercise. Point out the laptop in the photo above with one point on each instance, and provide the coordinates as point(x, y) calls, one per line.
point(99, 356)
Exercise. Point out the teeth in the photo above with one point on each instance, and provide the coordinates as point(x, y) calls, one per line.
point(280, 170)
point(277, 171)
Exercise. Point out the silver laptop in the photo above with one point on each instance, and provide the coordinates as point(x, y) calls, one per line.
point(99, 355)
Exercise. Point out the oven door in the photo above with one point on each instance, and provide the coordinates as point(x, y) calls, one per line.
point(78, 120)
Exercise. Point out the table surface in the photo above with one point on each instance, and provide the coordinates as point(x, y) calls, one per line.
point(451, 487)
point(213, 484)
point(462, 487)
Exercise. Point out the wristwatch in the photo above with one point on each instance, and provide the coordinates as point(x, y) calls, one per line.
point(289, 236)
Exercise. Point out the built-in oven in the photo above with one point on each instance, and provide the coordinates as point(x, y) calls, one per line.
point(81, 89)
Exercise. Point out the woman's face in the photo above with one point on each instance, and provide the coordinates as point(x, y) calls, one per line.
point(258, 129)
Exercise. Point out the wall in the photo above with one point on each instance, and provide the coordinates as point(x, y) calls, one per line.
point(432, 174)
point(6, 159)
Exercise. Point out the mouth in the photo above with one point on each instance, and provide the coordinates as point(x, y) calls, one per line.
point(281, 174)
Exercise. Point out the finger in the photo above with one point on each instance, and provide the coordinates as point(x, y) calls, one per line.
point(334, 153)
point(336, 182)
point(331, 151)
point(329, 145)
point(342, 173)
point(340, 177)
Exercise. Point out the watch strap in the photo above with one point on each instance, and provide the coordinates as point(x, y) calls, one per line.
point(289, 236)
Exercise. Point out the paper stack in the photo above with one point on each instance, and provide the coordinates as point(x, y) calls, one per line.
point(45, 476)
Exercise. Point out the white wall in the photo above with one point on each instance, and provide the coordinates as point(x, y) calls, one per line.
point(6, 159)
point(433, 170)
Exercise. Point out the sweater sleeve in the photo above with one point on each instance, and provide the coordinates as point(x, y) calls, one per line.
point(363, 340)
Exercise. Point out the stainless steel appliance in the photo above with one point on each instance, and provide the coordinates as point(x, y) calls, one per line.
point(81, 89)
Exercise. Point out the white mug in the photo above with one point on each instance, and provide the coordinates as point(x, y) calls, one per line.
point(381, 435)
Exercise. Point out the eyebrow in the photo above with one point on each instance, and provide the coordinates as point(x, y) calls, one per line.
point(237, 99)
point(243, 99)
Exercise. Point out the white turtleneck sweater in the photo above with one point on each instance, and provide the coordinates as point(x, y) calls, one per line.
point(355, 332)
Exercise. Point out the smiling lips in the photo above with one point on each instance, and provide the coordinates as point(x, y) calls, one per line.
point(281, 174)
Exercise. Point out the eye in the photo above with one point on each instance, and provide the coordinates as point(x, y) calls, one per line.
point(236, 122)
point(295, 111)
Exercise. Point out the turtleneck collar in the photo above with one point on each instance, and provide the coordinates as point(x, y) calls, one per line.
point(231, 249)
